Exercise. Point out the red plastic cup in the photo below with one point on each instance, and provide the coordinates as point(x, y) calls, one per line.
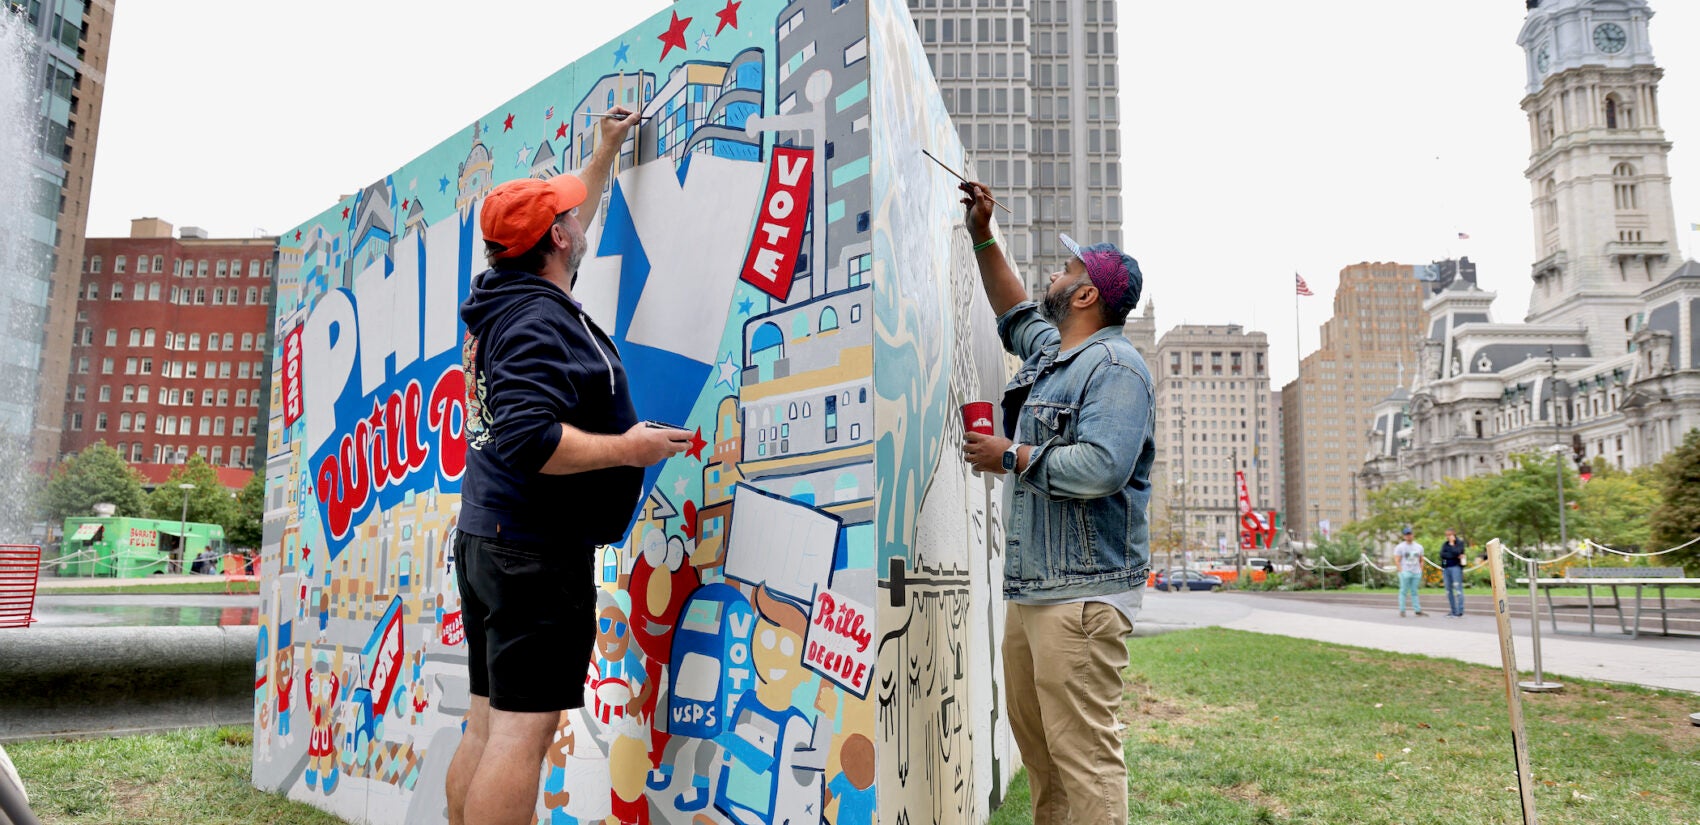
point(977, 417)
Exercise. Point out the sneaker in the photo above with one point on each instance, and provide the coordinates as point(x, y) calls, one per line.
point(1419, 613)
point(1401, 614)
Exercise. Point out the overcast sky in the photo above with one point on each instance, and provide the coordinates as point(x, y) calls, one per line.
point(1259, 138)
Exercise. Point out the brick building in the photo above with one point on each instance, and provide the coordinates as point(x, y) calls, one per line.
point(168, 355)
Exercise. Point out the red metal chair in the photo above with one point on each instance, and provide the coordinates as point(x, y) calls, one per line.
point(236, 572)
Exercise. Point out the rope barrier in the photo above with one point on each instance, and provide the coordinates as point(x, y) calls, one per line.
point(1684, 545)
point(1513, 554)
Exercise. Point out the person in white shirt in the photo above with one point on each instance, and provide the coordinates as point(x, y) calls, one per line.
point(1409, 554)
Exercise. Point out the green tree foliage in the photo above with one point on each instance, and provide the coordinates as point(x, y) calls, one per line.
point(1614, 508)
point(209, 503)
point(245, 530)
point(1676, 520)
point(1391, 509)
point(1523, 500)
point(97, 475)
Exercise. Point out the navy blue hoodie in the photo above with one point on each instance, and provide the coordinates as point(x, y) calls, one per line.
point(534, 360)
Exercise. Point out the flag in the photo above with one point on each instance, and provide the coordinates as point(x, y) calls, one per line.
point(1303, 288)
point(1463, 236)
point(549, 114)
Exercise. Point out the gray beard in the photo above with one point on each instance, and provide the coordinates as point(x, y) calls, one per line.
point(576, 256)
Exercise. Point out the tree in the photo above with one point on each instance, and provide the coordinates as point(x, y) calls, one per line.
point(1459, 504)
point(246, 530)
point(97, 475)
point(1677, 518)
point(1523, 500)
point(209, 503)
point(1614, 507)
point(1391, 508)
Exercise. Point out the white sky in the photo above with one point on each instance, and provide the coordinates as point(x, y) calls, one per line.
point(1259, 138)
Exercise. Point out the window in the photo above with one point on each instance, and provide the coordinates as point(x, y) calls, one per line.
point(172, 399)
point(194, 369)
point(153, 291)
point(212, 343)
point(76, 421)
point(105, 393)
point(93, 292)
point(106, 366)
point(218, 452)
point(200, 269)
point(223, 397)
point(141, 292)
point(229, 337)
point(218, 426)
point(184, 424)
point(200, 296)
point(129, 393)
point(147, 369)
point(94, 265)
point(118, 265)
point(242, 370)
point(142, 394)
point(236, 426)
point(247, 340)
point(254, 269)
point(130, 365)
point(241, 398)
point(222, 269)
point(135, 337)
point(100, 422)
point(194, 341)
point(142, 264)
point(223, 369)
point(112, 337)
point(218, 296)
point(1624, 188)
point(252, 293)
point(136, 448)
point(206, 398)
point(159, 263)
point(123, 425)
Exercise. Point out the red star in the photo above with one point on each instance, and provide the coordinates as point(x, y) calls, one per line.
point(675, 36)
point(298, 234)
point(345, 213)
point(729, 15)
point(508, 125)
point(561, 131)
point(696, 445)
point(405, 203)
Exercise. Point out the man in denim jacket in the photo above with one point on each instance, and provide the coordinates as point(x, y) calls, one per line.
point(1079, 411)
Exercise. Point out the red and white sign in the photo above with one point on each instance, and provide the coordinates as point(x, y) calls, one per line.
point(771, 263)
point(291, 376)
point(144, 539)
point(454, 631)
point(840, 641)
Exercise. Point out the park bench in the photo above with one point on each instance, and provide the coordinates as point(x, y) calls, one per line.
point(1639, 578)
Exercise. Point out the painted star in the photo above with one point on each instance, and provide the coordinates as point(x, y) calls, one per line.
point(620, 53)
point(728, 16)
point(524, 156)
point(298, 234)
point(345, 213)
point(405, 203)
point(728, 373)
point(508, 124)
point(696, 445)
point(702, 42)
point(674, 37)
point(443, 184)
point(680, 486)
point(745, 305)
point(561, 131)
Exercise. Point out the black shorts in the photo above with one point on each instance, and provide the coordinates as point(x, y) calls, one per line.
point(530, 617)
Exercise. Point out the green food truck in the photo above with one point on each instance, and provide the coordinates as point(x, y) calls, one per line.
point(133, 547)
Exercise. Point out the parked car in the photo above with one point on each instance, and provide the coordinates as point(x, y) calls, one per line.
point(1190, 579)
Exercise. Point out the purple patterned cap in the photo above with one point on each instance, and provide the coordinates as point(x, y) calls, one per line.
point(1116, 275)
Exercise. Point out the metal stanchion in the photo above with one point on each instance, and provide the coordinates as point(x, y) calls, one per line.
point(1540, 684)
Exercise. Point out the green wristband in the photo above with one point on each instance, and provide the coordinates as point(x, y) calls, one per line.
point(985, 243)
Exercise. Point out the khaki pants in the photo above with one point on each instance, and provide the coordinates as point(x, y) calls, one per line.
point(1062, 669)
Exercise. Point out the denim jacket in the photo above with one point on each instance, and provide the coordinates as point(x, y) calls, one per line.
point(1077, 523)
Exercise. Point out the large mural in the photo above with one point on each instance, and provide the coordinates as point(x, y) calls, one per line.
point(802, 623)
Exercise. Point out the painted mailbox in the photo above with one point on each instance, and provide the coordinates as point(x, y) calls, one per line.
point(803, 622)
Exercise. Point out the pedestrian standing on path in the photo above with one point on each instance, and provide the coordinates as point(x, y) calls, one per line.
point(1452, 571)
point(1410, 557)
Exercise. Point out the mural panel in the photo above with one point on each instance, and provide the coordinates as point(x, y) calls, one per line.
point(782, 627)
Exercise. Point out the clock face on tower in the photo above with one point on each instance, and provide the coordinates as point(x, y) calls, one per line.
point(1543, 60)
point(1609, 38)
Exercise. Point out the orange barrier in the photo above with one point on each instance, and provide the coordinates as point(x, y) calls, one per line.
point(20, 568)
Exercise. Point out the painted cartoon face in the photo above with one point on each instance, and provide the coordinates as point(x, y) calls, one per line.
point(659, 590)
point(612, 634)
point(777, 654)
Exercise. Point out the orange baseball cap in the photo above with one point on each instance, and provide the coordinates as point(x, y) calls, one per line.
point(518, 213)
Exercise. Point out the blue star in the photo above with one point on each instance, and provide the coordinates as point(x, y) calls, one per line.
point(702, 42)
point(728, 373)
point(620, 53)
point(745, 305)
point(443, 184)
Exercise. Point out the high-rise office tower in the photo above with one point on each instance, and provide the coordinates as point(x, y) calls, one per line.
point(66, 58)
point(1032, 88)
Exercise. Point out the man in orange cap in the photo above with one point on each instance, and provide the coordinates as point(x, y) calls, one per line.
point(554, 468)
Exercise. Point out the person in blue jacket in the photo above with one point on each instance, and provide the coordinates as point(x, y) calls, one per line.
point(554, 467)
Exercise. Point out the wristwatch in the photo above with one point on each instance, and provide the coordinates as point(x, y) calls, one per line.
point(1009, 457)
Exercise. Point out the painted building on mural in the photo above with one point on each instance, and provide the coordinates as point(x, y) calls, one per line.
point(1607, 364)
point(801, 623)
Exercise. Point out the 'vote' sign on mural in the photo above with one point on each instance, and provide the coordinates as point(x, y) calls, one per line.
point(772, 261)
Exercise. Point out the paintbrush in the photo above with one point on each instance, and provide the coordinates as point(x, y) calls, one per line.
point(959, 177)
point(615, 115)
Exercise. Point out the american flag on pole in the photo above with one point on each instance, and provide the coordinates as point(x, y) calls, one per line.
point(1304, 289)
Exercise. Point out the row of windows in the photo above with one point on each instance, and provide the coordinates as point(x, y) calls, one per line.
point(949, 65)
point(1236, 363)
point(174, 369)
point(170, 425)
point(132, 394)
point(257, 268)
point(190, 341)
point(972, 30)
point(1061, 75)
point(162, 453)
point(185, 295)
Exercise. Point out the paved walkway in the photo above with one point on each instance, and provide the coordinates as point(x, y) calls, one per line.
point(58, 582)
point(1663, 662)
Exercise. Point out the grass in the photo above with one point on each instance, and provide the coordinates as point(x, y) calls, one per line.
point(1514, 589)
point(196, 776)
point(1224, 728)
point(173, 588)
point(1234, 728)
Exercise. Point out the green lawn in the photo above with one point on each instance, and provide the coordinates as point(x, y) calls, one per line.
point(1224, 728)
point(198, 776)
point(1234, 728)
point(1626, 593)
point(212, 585)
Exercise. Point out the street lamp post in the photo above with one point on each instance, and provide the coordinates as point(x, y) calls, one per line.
point(183, 525)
